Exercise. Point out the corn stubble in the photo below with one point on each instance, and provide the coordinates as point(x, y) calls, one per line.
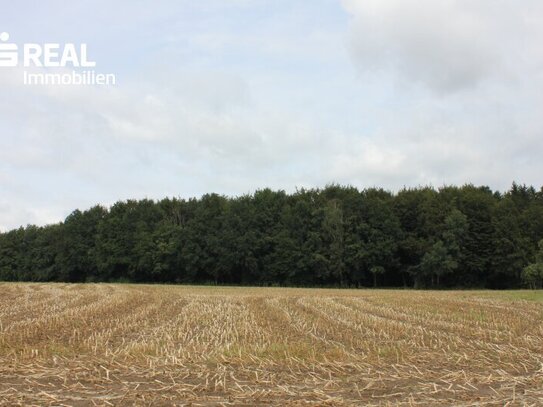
point(106, 344)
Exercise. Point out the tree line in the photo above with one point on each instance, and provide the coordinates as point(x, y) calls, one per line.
point(453, 236)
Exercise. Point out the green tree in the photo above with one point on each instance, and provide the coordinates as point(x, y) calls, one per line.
point(333, 235)
point(445, 255)
point(454, 236)
point(437, 263)
point(376, 271)
point(532, 275)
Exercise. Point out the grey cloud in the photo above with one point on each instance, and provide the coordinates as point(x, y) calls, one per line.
point(446, 45)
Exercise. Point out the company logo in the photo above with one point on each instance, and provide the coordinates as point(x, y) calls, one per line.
point(8, 52)
point(51, 56)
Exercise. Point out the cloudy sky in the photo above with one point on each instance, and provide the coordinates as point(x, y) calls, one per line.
point(232, 96)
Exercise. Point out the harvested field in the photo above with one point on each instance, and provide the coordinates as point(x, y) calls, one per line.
point(107, 344)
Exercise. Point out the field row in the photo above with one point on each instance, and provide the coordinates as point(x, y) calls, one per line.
point(130, 344)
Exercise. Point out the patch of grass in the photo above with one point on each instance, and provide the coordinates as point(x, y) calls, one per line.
point(527, 295)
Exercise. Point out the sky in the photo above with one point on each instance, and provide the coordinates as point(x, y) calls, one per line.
point(234, 96)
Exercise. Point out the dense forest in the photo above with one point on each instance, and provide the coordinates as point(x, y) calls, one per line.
point(337, 236)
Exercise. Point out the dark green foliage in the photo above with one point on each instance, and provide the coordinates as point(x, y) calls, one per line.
point(338, 236)
point(532, 275)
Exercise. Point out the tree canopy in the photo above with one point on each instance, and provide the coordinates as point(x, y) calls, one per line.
point(336, 236)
